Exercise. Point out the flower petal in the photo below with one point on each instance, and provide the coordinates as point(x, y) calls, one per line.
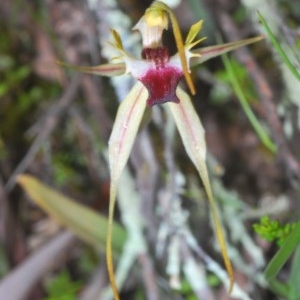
point(125, 128)
point(192, 134)
point(207, 53)
point(108, 70)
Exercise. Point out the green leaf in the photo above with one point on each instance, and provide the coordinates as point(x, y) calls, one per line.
point(192, 134)
point(271, 230)
point(207, 53)
point(84, 222)
point(62, 287)
point(278, 48)
point(293, 282)
point(278, 261)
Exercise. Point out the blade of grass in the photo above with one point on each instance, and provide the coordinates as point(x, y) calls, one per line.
point(283, 254)
point(278, 261)
point(279, 288)
point(278, 48)
point(294, 287)
point(246, 107)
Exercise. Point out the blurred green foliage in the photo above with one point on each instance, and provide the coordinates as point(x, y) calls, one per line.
point(62, 287)
point(273, 230)
point(23, 93)
point(243, 76)
point(63, 163)
point(222, 91)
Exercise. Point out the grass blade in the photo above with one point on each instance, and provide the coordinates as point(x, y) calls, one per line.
point(284, 253)
point(278, 48)
point(246, 107)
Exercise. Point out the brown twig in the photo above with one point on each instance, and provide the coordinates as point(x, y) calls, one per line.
point(146, 168)
point(149, 277)
point(18, 284)
point(93, 289)
point(11, 233)
point(206, 291)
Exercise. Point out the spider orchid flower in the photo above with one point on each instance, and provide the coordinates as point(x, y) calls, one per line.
point(158, 75)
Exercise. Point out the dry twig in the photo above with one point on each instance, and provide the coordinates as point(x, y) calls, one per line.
point(23, 278)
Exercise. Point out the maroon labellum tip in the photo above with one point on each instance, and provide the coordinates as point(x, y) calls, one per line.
point(162, 79)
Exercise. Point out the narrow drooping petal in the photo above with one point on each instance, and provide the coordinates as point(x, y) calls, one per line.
point(192, 134)
point(125, 128)
point(207, 53)
point(189, 127)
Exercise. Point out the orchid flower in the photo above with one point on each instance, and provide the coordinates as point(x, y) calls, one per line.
point(158, 75)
